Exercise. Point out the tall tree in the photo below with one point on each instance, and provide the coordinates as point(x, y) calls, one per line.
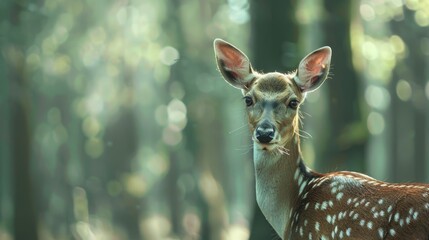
point(409, 114)
point(347, 131)
point(25, 223)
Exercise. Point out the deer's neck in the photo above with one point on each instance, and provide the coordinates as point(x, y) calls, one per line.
point(280, 178)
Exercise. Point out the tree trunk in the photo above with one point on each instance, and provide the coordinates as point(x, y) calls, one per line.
point(25, 223)
point(410, 120)
point(347, 131)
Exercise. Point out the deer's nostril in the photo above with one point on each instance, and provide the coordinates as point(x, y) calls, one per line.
point(264, 134)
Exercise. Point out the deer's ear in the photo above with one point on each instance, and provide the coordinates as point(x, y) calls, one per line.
point(233, 64)
point(313, 69)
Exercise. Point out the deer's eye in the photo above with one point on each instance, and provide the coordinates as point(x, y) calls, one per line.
point(293, 104)
point(248, 100)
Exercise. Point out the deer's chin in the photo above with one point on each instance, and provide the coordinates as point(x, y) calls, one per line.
point(267, 146)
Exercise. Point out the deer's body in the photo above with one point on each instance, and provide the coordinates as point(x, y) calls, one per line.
point(298, 202)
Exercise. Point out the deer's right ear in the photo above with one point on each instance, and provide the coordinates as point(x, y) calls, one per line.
point(233, 64)
point(313, 69)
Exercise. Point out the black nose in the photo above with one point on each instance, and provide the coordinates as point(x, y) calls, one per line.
point(265, 133)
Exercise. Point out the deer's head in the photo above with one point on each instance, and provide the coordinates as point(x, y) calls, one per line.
point(272, 100)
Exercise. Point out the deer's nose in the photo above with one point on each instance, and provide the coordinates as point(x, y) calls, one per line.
point(265, 132)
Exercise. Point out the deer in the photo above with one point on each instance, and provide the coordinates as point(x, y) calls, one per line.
point(298, 202)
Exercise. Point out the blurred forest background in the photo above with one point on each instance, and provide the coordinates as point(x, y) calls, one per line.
point(115, 123)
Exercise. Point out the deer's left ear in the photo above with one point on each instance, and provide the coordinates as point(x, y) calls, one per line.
point(313, 69)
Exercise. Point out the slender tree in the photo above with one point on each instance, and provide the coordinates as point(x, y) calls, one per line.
point(347, 131)
point(409, 116)
point(25, 223)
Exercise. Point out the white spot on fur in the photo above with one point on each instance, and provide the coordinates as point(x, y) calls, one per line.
point(415, 215)
point(324, 205)
point(408, 220)
point(347, 180)
point(300, 178)
point(295, 176)
point(348, 232)
point(396, 217)
point(369, 225)
point(301, 188)
point(329, 219)
point(340, 195)
point(316, 206)
point(341, 235)
point(380, 233)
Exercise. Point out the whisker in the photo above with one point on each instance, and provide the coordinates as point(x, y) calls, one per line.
point(283, 150)
point(304, 134)
point(237, 129)
point(245, 149)
point(306, 114)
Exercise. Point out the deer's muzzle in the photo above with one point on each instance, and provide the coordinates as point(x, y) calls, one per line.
point(265, 132)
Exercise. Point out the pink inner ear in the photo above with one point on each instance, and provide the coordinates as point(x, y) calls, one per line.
point(231, 58)
point(313, 69)
point(316, 63)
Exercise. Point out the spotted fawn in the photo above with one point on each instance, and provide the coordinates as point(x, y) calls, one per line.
point(298, 202)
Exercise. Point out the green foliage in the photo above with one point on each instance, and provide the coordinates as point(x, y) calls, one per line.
point(134, 135)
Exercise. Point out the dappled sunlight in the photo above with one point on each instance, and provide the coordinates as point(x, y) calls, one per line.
point(237, 232)
point(136, 185)
point(381, 56)
point(156, 227)
point(377, 97)
point(375, 123)
point(192, 225)
point(403, 90)
point(131, 133)
point(210, 188)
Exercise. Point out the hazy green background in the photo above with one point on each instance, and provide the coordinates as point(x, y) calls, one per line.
point(115, 124)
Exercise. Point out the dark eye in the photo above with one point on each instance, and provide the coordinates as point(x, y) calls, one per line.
point(248, 100)
point(293, 104)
